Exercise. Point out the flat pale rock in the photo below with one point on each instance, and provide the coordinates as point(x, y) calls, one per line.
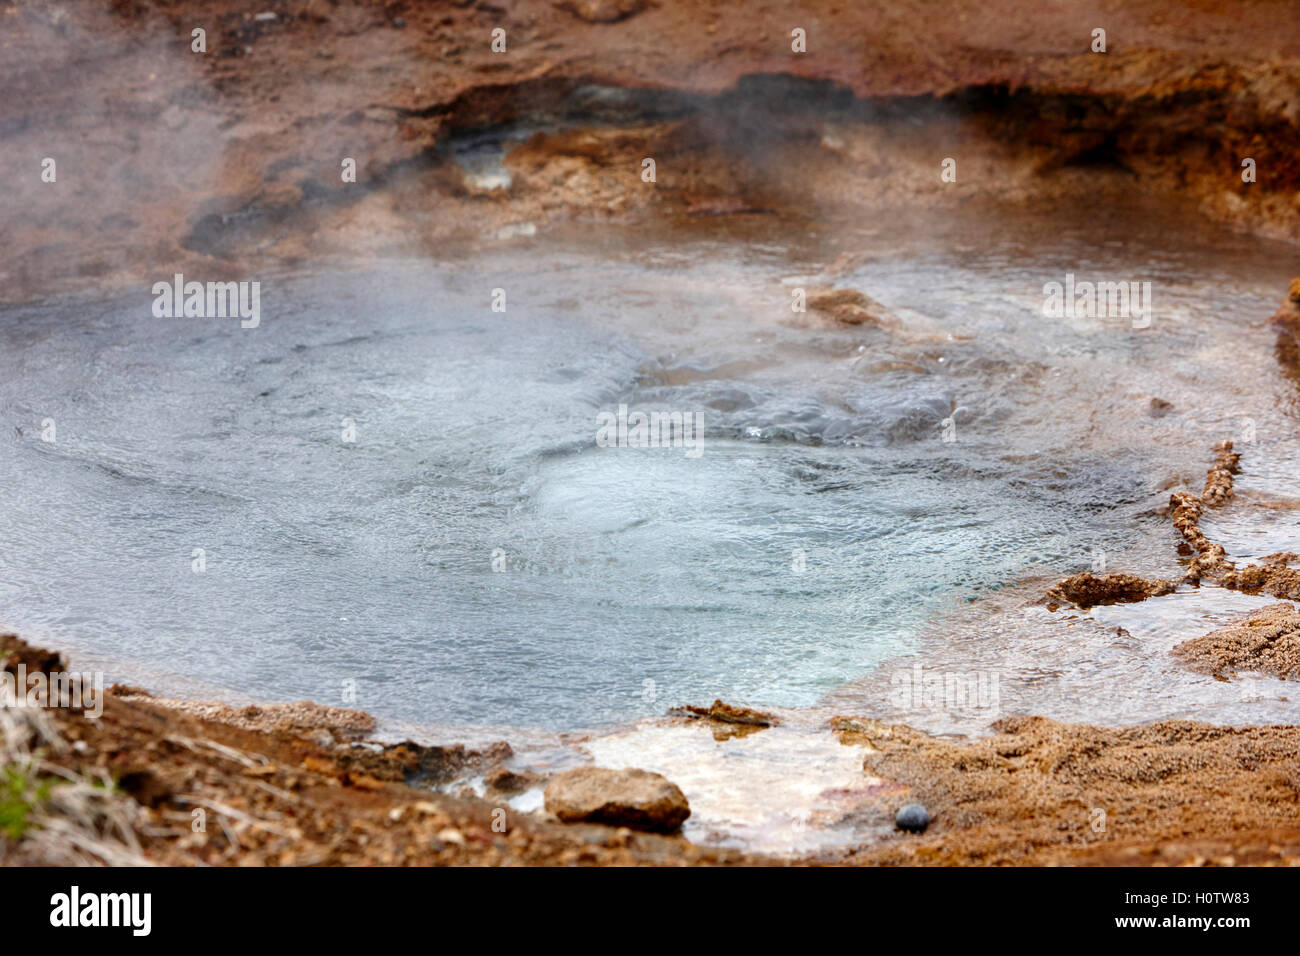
point(637, 799)
point(602, 11)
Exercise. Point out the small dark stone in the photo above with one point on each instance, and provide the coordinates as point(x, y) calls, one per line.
point(1160, 408)
point(399, 23)
point(913, 818)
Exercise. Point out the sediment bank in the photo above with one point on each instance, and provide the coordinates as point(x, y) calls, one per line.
point(185, 789)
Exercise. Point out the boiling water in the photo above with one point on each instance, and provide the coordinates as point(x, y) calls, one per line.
point(397, 490)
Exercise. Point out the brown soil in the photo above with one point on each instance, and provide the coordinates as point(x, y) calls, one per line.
point(1041, 792)
point(1171, 793)
point(219, 162)
point(1267, 641)
point(274, 797)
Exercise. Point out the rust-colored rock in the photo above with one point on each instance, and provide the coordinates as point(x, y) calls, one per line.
point(508, 782)
point(637, 799)
point(301, 716)
point(849, 306)
point(1088, 590)
point(728, 714)
point(1287, 317)
point(1287, 322)
point(1277, 580)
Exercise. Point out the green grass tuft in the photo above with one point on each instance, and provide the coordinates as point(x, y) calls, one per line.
point(20, 794)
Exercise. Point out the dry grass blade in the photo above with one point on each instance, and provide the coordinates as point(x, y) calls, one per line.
point(230, 753)
point(58, 817)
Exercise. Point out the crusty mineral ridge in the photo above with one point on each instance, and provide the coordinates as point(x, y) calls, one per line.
point(1271, 576)
point(1186, 510)
point(1088, 590)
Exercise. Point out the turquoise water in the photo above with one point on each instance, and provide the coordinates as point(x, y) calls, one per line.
point(473, 557)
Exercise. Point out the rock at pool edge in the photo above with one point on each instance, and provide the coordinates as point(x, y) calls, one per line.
point(913, 818)
point(637, 799)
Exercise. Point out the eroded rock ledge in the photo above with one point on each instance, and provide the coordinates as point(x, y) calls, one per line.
point(230, 159)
